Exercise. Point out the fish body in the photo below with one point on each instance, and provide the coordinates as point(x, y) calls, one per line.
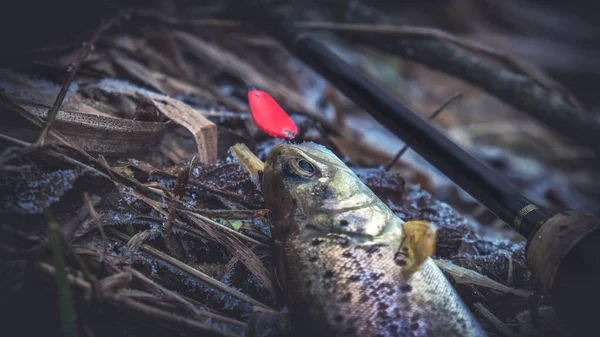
point(351, 267)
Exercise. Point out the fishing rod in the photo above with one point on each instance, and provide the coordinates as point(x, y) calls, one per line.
point(563, 249)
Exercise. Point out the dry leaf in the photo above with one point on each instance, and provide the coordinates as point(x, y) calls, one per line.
point(85, 126)
point(203, 130)
point(238, 67)
point(157, 80)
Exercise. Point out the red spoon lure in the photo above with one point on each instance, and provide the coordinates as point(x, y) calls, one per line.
point(269, 116)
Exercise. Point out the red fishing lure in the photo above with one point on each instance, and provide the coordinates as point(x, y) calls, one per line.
point(269, 116)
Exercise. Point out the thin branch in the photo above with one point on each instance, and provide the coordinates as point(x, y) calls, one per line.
point(72, 71)
point(181, 300)
point(517, 84)
point(68, 230)
point(510, 61)
point(169, 319)
point(54, 154)
point(159, 207)
point(522, 88)
point(402, 31)
point(93, 214)
point(465, 275)
point(232, 231)
point(146, 311)
point(430, 118)
point(138, 188)
point(192, 271)
point(501, 326)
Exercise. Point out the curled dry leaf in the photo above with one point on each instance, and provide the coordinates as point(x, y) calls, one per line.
point(86, 127)
point(96, 131)
point(204, 131)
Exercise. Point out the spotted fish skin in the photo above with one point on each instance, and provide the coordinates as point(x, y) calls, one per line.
point(341, 255)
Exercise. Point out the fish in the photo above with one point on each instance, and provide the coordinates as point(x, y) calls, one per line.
point(349, 265)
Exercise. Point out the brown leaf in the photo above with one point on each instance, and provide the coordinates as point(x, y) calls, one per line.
point(157, 80)
point(85, 126)
point(204, 131)
point(238, 67)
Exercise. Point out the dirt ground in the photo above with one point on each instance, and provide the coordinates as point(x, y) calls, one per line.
point(133, 218)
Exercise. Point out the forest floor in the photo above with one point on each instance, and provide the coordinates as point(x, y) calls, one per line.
point(133, 217)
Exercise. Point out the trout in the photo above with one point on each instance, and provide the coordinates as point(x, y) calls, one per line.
point(351, 267)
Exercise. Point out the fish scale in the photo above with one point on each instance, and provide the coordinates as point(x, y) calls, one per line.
point(344, 262)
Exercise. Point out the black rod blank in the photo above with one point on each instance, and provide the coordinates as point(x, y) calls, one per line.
point(474, 177)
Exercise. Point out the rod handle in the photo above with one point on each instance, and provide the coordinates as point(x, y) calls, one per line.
point(564, 255)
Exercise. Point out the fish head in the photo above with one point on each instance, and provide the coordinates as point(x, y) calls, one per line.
point(310, 190)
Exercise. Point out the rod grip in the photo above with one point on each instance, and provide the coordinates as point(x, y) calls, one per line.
point(564, 255)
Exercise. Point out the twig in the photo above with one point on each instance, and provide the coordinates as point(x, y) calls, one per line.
point(110, 284)
point(470, 45)
point(236, 66)
point(68, 230)
point(235, 214)
point(93, 214)
point(503, 328)
point(226, 229)
point(54, 154)
point(192, 271)
point(182, 179)
point(137, 239)
point(449, 100)
point(216, 190)
point(74, 280)
point(181, 300)
point(103, 169)
point(158, 207)
point(171, 320)
point(246, 255)
point(509, 276)
point(72, 70)
point(524, 88)
point(397, 30)
point(465, 275)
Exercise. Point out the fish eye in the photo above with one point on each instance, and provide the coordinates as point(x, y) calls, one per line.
point(301, 167)
point(306, 166)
